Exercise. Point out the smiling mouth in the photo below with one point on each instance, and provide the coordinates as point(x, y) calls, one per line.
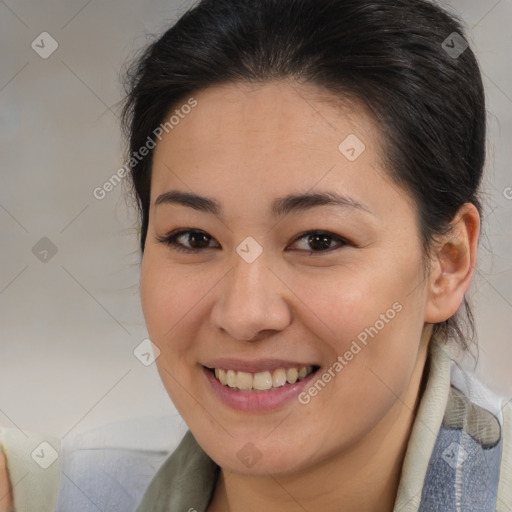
point(261, 381)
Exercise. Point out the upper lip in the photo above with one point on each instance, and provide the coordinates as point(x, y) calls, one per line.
point(254, 365)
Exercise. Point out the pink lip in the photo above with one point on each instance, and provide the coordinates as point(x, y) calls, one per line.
point(254, 366)
point(256, 401)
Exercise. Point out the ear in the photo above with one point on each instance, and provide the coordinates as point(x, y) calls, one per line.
point(454, 262)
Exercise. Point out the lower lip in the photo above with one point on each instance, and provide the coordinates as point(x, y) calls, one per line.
point(257, 401)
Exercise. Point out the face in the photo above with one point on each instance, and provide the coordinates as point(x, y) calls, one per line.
point(259, 284)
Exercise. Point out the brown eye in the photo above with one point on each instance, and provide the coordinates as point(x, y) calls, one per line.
point(196, 239)
point(321, 241)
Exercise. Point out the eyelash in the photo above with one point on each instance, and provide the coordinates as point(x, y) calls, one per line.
point(170, 240)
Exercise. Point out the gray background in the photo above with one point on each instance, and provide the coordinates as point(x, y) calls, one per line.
point(68, 326)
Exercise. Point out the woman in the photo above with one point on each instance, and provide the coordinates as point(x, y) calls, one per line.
point(309, 228)
point(307, 174)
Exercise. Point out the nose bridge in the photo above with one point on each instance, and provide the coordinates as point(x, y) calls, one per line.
point(251, 300)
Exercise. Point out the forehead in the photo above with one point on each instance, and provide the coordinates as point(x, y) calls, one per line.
point(281, 112)
point(271, 130)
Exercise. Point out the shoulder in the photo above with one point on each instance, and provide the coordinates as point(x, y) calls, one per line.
point(505, 484)
point(489, 422)
point(476, 439)
point(469, 461)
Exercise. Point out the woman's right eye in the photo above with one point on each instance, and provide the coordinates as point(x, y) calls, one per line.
point(197, 240)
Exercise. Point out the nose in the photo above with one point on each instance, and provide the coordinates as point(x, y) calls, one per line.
point(251, 301)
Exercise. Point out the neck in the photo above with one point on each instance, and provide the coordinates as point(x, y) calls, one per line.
point(362, 479)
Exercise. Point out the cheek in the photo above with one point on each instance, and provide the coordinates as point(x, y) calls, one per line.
point(379, 359)
point(167, 296)
point(166, 307)
point(372, 320)
point(155, 296)
point(337, 305)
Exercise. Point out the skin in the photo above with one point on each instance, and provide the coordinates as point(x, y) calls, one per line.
point(245, 146)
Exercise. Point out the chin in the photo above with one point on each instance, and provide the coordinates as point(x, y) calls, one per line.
point(257, 456)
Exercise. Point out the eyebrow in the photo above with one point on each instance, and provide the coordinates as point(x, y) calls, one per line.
point(279, 207)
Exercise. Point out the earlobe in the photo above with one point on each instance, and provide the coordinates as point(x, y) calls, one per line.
point(455, 259)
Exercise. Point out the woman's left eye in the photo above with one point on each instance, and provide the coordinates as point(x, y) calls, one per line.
point(322, 240)
point(319, 241)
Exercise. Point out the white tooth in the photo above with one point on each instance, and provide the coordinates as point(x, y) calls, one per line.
point(262, 381)
point(303, 372)
point(231, 378)
point(217, 373)
point(244, 380)
point(310, 369)
point(222, 376)
point(279, 377)
point(292, 375)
